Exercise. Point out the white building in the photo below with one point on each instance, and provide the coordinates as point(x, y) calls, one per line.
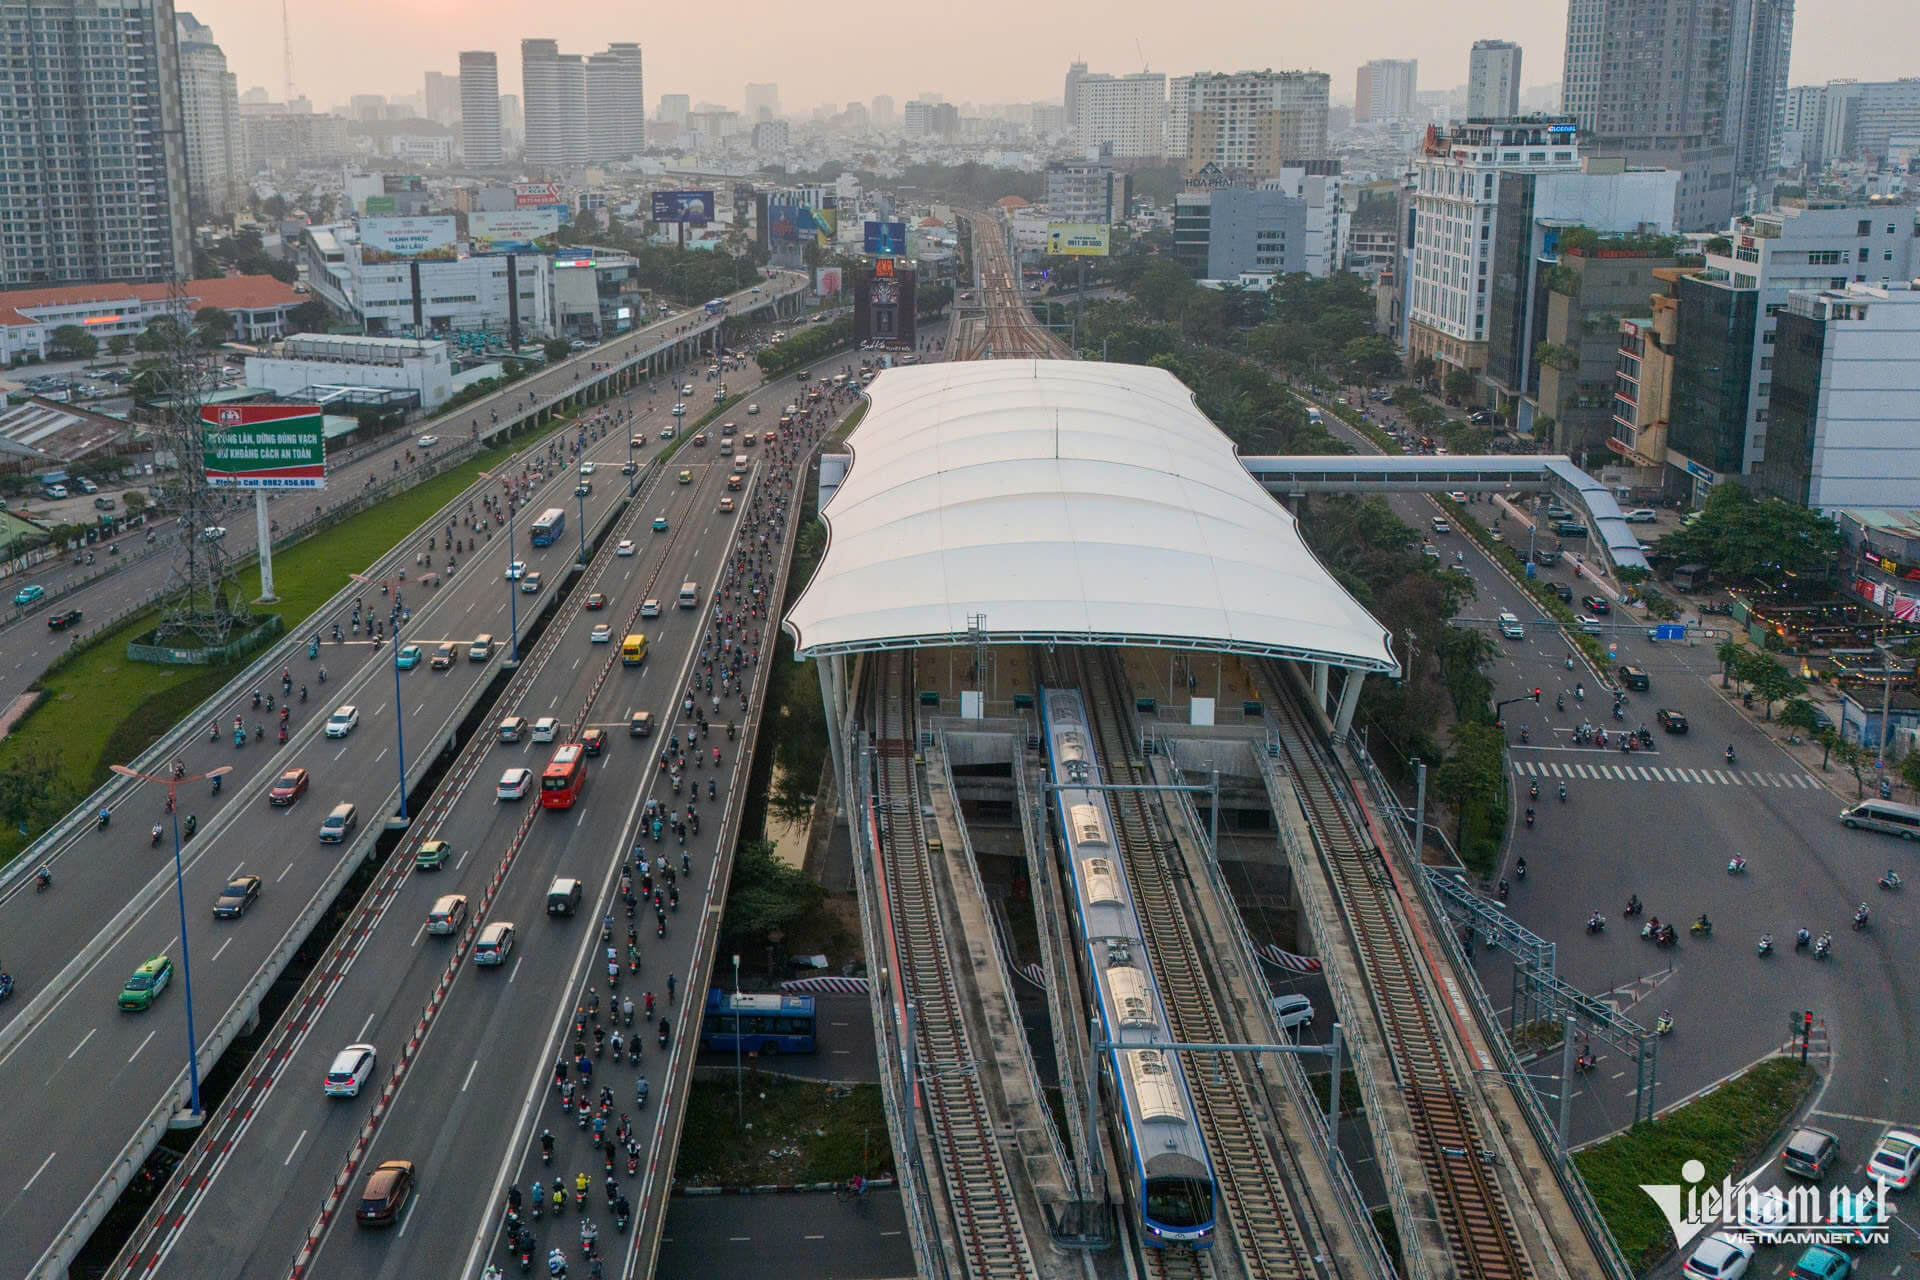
point(1179, 113)
point(555, 89)
point(421, 149)
point(399, 297)
point(210, 105)
point(1324, 242)
point(1384, 90)
point(1127, 112)
point(1493, 80)
point(480, 136)
point(916, 118)
point(616, 104)
point(1255, 123)
point(308, 365)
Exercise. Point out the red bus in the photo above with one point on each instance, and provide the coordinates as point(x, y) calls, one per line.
point(566, 773)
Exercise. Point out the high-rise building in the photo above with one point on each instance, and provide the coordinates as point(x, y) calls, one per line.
point(1852, 119)
point(1076, 72)
point(480, 135)
point(367, 108)
point(555, 89)
point(1127, 113)
point(774, 135)
point(882, 112)
point(1179, 116)
point(916, 119)
point(674, 108)
point(1086, 191)
point(616, 104)
point(96, 160)
point(1049, 119)
point(1493, 80)
point(1680, 85)
point(762, 103)
point(441, 98)
point(210, 106)
point(1255, 123)
point(1384, 89)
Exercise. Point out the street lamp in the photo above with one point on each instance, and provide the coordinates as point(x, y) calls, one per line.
point(739, 1086)
point(633, 472)
point(172, 784)
point(399, 711)
point(580, 492)
point(513, 601)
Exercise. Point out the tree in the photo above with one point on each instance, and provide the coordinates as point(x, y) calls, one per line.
point(1472, 780)
point(1729, 653)
point(311, 316)
point(1556, 355)
point(162, 334)
point(556, 349)
point(1459, 382)
point(1369, 360)
point(765, 894)
point(1801, 714)
point(1162, 290)
point(31, 789)
point(73, 342)
point(119, 344)
point(1852, 755)
point(135, 501)
point(1423, 370)
point(1910, 769)
point(1772, 681)
point(1741, 536)
point(212, 326)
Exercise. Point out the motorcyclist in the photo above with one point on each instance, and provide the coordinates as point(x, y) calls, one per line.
point(1703, 924)
point(1520, 868)
point(546, 1143)
point(1860, 916)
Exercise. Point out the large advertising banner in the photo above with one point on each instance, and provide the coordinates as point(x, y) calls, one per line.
point(389, 239)
point(826, 225)
point(692, 207)
point(264, 446)
point(826, 281)
point(1077, 239)
point(530, 194)
point(885, 238)
point(788, 223)
point(512, 231)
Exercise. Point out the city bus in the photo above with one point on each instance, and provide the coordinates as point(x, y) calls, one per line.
point(566, 774)
point(552, 522)
point(716, 305)
point(757, 1023)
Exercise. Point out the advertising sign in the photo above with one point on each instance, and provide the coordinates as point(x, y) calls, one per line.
point(379, 204)
point(513, 231)
point(793, 223)
point(1077, 239)
point(264, 446)
point(826, 225)
point(528, 194)
point(826, 281)
point(886, 237)
point(694, 207)
point(388, 239)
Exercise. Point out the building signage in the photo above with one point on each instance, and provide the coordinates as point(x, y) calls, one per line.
point(1077, 239)
point(1699, 472)
point(511, 231)
point(388, 239)
point(694, 208)
point(264, 446)
point(528, 194)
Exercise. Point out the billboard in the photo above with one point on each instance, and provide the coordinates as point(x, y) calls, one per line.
point(389, 239)
point(264, 446)
point(789, 223)
point(513, 231)
point(884, 304)
point(886, 238)
point(694, 207)
point(529, 194)
point(1077, 239)
point(826, 281)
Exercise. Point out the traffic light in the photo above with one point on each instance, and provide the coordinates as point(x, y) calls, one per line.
point(1536, 695)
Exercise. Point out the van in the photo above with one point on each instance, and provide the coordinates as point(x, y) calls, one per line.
point(563, 896)
point(482, 648)
point(545, 729)
point(633, 650)
point(739, 464)
point(689, 595)
point(87, 486)
point(103, 504)
point(1884, 816)
point(513, 729)
point(339, 823)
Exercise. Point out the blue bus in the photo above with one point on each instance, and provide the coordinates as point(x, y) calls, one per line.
point(551, 524)
point(757, 1023)
point(716, 305)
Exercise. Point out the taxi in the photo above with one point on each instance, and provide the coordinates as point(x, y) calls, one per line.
point(686, 477)
point(726, 504)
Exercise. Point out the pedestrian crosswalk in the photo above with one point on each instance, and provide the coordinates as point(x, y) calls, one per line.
point(1661, 773)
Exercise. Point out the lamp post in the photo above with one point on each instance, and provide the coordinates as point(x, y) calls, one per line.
point(513, 591)
point(580, 492)
point(399, 711)
point(172, 785)
point(739, 1086)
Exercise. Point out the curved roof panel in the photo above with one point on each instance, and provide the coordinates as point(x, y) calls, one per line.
point(1063, 501)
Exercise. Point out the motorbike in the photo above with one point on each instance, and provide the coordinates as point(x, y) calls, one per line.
point(1584, 1063)
point(1563, 793)
point(1802, 940)
point(1533, 791)
point(216, 784)
point(1823, 948)
point(1729, 755)
point(6, 985)
point(1736, 864)
point(1520, 869)
point(42, 880)
point(1860, 921)
point(103, 818)
point(1766, 944)
point(1891, 880)
point(1664, 1025)
point(1634, 906)
point(1596, 923)
point(192, 825)
point(1529, 815)
point(1701, 928)
point(1500, 891)
point(154, 836)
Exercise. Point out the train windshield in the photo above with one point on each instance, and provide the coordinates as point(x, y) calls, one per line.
point(1179, 1203)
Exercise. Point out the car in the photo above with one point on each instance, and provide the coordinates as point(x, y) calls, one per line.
point(352, 1068)
point(514, 783)
point(1590, 625)
point(516, 569)
point(1632, 677)
point(1458, 495)
point(638, 442)
point(29, 593)
point(578, 344)
point(1764, 1217)
point(1719, 1257)
point(1430, 551)
point(62, 620)
point(628, 468)
point(431, 855)
point(1480, 417)
point(1896, 1160)
point(1598, 605)
point(680, 410)
point(287, 788)
point(593, 740)
point(449, 912)
point(700, 440)
point(624, 548)
point(726, 505)
point(427, 442)
point(1670, 720)
point(588, 468)
point(443, 656)
point(584, 489)
point(1855, 1221)
point(408, 658)
point(1561, 590)
point(596, 600)
point(686, 477)
point(640, 724)
point(601, 634)
point(1810, 1152)
point(659, 524)
point(753, 410)
point(1821, 1262)
point(1639, 515)
point(146, 983)
point(546, 729)
point(1441, 526)
point(563, 896)
point(494, 944)
point(340, 821)
point(1292, 1011)
point(343, 721)
point(530, 585)
point(726, 444)
point(236, 897)
point(384, 1196)
point(1511, 628)
point(669, 431)
point(650, 608)
point(213, 533)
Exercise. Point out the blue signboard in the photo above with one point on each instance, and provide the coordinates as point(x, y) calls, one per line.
point(1670, 631)
point(683, 206)
point(886, 239)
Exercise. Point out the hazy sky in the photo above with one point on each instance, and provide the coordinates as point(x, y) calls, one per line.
point(1009, 50)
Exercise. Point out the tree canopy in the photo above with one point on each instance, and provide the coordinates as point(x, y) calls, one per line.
point(1740, 536)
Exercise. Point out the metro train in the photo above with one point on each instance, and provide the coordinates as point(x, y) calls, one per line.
point(1170, 1179)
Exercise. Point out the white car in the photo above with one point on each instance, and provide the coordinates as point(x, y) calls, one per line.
point(1719, 1257)
point(530, 585)
point(624, 547)
point(753, 411)
point(586, 468)
point(1292, 1011)
point(212, 533)
point(667, 432)
point(517, 569)
point(427, 442)
point(1764, 1217)
point(352, 1067)
point(343, 721)
point(1587, 624)
point(1510, 627)
point(545, 728)
point(1896, 1159)
point(601, 634)
point(494, 944)
point(514, 783)
point(1639, 515)
point(649, 608)
point(680, 408)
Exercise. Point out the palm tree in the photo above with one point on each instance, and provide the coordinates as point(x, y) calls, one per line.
point(1729, 654)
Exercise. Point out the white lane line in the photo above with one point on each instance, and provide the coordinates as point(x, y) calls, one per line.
point(473, 1067)
point(143, 1044)
point(283, 875)
point(295, 1147)
point(382, 756)
point(341, 752)
point(363, 1028)
point(515, 971)
point(412, 1212)
point(37, 1172)
point(224, 946)
point(461, 861)
point(83, 1044)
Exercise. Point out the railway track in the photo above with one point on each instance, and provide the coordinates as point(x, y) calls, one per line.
point(1007, 330)
point(987, 1227)
point(1473, 1212)
point(1251, 1183)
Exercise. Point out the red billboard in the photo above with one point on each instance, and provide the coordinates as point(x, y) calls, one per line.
point(529, 194)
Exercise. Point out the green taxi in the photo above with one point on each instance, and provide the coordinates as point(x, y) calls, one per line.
point(147, 982)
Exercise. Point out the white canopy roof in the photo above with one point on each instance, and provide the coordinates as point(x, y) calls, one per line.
point(1066, 501)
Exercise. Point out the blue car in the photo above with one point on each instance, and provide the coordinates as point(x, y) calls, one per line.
point(408, 658)
point(29, 593)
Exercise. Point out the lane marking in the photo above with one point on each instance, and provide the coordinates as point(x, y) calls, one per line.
point(83, 1044)
point(37, 1172)
point(143, 1044)
point(295, 1147)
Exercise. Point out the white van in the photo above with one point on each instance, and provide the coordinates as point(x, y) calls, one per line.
point(739, 464)
point(689, 595)
point(1884, 816)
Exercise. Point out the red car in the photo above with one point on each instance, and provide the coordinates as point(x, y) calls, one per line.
point(61, 621)
point(386, 1193)
point(287, 788)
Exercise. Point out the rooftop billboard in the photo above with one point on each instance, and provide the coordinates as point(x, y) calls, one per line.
point(390, 239)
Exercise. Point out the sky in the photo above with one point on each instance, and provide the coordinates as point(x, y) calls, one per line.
point(1010, 51)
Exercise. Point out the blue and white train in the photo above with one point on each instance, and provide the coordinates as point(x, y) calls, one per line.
point(1171, 1179)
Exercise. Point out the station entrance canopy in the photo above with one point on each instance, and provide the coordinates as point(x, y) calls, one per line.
point(1069, 502)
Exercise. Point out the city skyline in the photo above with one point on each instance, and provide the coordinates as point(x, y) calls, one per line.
point(334, 60)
